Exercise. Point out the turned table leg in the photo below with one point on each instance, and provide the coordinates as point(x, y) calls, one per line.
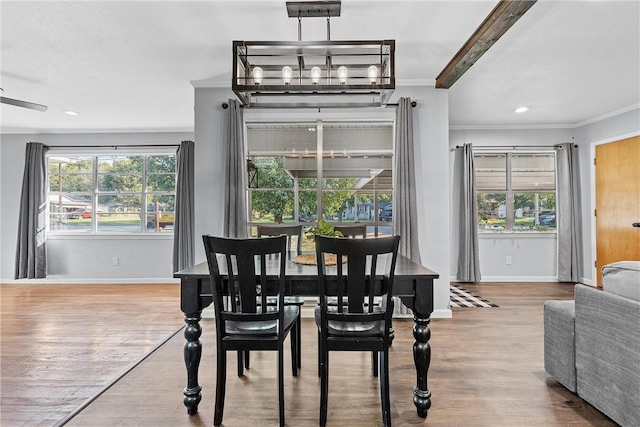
point(192, 354)
point(422, 359)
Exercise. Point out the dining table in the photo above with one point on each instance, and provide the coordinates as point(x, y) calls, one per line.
point(413, 285)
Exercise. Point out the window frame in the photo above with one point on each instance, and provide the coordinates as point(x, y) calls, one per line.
point(94, 193)
point(319, 189)
point(510, 193)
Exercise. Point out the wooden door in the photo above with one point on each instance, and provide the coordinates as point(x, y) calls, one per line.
point(617, 202)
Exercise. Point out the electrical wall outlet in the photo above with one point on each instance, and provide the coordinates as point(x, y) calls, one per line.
point(508, 260)
point(115, 261)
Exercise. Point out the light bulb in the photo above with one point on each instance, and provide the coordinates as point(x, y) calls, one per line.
point(372, 72)
point(257, 75)
point(315, 75)
point(342, 74)
point(287, 73)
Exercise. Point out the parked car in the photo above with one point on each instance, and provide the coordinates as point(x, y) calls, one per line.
point(84, 213)
point(386, 213)
point(547, 219)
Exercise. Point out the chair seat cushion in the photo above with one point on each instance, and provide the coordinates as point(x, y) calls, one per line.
point(263, 328)
point(337, 328)
point(288, 300)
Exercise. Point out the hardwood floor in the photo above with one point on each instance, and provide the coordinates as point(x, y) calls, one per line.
point(61, 344)
point(486, 367)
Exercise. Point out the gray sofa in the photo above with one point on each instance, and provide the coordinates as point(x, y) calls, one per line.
point(592, 344)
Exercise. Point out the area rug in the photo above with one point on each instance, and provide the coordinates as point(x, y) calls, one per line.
point(461, 297)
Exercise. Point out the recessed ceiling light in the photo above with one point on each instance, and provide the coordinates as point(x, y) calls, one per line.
point(71, 113)
point(521, 109)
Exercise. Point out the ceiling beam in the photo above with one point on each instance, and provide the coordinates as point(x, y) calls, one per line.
point(501, 18)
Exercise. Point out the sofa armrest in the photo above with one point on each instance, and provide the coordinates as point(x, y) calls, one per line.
point(559, 342)
point(607, 332)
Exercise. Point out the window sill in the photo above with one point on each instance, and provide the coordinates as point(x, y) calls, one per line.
point(517, 234)
point(108, 236)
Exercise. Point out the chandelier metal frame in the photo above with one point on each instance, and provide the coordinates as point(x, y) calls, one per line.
point(314, 74)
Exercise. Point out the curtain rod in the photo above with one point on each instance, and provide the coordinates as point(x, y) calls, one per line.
point(413, 104)
point(115, 147)
point(514, 147)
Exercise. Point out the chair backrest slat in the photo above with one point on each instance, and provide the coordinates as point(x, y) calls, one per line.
point(372, 280)
point(232, 283)
point(356, 281)
point(341, 283)
point(246, 280)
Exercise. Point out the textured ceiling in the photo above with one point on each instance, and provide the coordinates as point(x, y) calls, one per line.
point(128, 65)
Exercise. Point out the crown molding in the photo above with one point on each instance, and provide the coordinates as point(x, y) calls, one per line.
point(510, 127)
point(211, 83)
point(607, 115)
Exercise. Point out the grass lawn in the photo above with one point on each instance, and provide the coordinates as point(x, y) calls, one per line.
point(109, 219)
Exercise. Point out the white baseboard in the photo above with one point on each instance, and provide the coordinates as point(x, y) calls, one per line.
point(584, 280)
point(442, 314)
point(513, 279)
point(90, 281)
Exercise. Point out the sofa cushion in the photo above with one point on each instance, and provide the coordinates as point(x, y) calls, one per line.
point(622, 278)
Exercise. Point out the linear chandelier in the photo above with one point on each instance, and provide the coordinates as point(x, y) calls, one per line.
point(315, 74)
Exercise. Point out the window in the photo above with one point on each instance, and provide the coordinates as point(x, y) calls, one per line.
point(354, 183)
point(111, 193)
point(516, 191)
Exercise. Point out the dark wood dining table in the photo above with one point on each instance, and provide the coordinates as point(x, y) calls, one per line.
point(413, 285)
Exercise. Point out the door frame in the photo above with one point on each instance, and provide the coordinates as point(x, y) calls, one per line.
point(592, 201)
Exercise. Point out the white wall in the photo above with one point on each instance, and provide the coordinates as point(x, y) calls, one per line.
point(210, 155)
point(431, 145)
point(431, 140)
point(81, 257)
point(534, 257)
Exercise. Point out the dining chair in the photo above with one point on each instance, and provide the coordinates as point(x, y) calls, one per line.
point(238, 268)
point(352, 231)
point(355, 230)
point(355, 323)
point(290, 231)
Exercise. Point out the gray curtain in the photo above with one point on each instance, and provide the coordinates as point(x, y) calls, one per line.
point(468, 257)
point(568, 214)
point(31, 252)
point(405, 217)
point(184, 226)
point(235, 214)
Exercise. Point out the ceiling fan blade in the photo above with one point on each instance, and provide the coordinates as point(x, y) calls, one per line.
point(24, 104)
